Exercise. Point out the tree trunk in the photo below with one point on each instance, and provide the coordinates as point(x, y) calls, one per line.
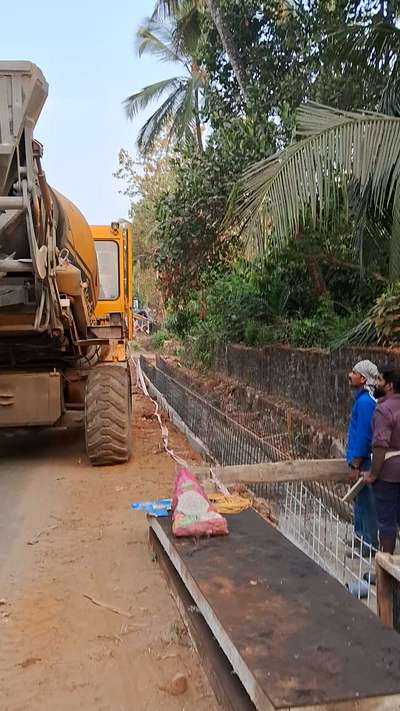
point(317, 280)
point(228, 45)
point(197, 120)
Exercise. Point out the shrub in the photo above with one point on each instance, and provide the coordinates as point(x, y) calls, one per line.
point(159, 339)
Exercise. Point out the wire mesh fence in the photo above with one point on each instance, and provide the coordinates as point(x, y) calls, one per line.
point(229, 441)
point(311, 514)
point(323, 530)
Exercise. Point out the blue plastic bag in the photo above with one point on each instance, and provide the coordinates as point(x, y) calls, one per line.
point(158, 508)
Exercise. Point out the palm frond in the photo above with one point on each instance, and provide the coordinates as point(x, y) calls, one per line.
point(183, 121)
point(158, 40)
point(370, 44)
point(381, 324)
point(160, 120)
point(169, 40)
point(337, 146)
point(187, 31)
point(390, 101)
point(376, 45)
point(361, 335)
point(166, 8)
point(139, 101)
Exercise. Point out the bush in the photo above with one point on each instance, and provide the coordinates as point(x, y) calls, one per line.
point(181, 320)
point(260, 304)
point(159, 338)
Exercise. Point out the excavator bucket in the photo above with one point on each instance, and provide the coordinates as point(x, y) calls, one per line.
point(23, 91)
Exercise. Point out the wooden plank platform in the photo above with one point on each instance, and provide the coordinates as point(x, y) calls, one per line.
point(294, 636)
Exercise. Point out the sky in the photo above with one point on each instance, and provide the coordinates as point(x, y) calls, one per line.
point(85, 49)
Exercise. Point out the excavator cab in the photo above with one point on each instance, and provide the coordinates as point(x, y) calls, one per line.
point(113, 245)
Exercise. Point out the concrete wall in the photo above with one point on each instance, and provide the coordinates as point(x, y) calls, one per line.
point(312, 380)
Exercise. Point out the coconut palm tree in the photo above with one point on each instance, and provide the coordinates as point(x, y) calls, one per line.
point(179, 114)
point(189, 9)
point(336, 148)
point(376, 44)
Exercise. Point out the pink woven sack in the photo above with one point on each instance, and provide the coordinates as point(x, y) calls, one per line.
point(192, 513)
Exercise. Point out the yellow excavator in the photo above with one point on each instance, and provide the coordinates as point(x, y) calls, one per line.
point(65, 292)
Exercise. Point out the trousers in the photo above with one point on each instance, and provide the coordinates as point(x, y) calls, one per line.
point(387, 497)
point(365, 516)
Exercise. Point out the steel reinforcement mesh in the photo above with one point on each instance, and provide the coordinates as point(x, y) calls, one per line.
point(228, 441)
point(311, 514)
point(271, 425)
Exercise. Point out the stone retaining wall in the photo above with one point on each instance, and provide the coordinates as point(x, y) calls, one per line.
point(312, 380)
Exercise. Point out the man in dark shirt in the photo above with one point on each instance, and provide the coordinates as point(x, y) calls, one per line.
point(385, 471)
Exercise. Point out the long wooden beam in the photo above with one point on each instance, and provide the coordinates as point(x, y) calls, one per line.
point(269, 472)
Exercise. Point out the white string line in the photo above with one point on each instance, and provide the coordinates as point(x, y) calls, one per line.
point(164, 430)
point(141, 383)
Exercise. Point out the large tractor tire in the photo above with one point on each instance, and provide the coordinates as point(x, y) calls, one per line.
point(108, 414)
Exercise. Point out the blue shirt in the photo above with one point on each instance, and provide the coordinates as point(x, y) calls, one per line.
point(359, 436)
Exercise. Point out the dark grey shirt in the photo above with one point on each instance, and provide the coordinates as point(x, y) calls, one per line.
point(386, 433)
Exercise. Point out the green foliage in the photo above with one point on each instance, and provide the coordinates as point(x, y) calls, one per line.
point(290, 53)
point(268, 302)
point(159, 338)
point(385, 316)
point(190, 218)
point(315, 289)
point(143, 181)
point(181, 320)
point(336, 147)
point(380, 325)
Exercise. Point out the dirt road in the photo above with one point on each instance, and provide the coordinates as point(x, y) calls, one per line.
point(66, 531)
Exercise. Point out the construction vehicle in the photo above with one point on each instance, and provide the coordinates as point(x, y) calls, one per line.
point(65, 292)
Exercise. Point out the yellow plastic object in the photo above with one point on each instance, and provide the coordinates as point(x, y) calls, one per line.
point(114, 252)
point(229, 504)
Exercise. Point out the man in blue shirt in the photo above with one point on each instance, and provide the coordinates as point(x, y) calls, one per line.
point(359, 448)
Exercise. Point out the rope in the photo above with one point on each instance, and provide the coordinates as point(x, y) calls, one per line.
point(141, 383)
point(232, 504)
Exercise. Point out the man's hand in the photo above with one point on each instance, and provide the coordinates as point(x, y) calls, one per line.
point(354, 475)
point(369, 478)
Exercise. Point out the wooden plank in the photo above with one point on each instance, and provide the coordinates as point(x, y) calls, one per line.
point(354, 491)
point(293, 634)
point(390, 563)
point(387, 577)
point(228, 689)
point(270, 472)
point(384, 595)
